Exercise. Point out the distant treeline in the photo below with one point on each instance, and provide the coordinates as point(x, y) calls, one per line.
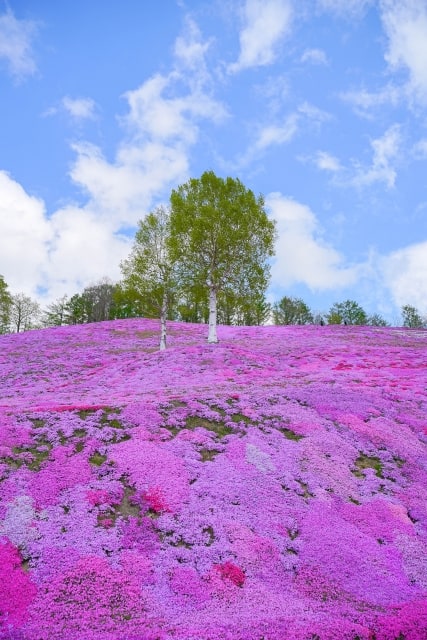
point(107, 300)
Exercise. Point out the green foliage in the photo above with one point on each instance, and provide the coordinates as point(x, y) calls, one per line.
point(347, 312)
point(55, 314)
point(221, 239)
point(5, 306)
point(376, 320)
point(412, 317)
point(292, 311)
point(148, 272)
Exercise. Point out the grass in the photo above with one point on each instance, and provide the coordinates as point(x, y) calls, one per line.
point(368, 462)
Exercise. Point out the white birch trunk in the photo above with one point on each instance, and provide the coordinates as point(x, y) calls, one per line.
point(212, 337)
point(163, 316)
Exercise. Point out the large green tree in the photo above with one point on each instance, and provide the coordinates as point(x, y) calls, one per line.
point(347, 312)
point(291, 310)
point(221, 239)
point(149, 269)
point(5, 306)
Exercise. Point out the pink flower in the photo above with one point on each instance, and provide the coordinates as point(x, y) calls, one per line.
point(229, 571)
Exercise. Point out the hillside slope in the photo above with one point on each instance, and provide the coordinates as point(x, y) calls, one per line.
point(270, 487)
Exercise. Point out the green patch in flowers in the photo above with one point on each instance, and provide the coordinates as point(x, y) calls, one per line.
point(353, 500)
point(39, 453)
point(292, 551)
point(127, 508)
point(305, 491)
point(240, 417)
point(209, 532)
point(367, 462)
point(38, 423)
point(25, 565)
point(182, 543)
point(97, 459)
point(80, 445)
point(291, 435)
point(217, 427)
point(399, 461)
point(208, 454)
point(292, 533)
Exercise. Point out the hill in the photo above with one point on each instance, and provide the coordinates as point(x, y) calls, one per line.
point(270, 487)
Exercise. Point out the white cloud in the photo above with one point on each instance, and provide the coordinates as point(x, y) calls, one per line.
point(314, 56)
point(16, 45)
point(405, 23)
point(404, 273)
point(301, 254)
point(79, 108)
point(77, 245)
point(25, 234)
point(61, 253)
point(276, 134)
point(266, 22)
point(326, 162)
point(190, 50)
point(364, 101)
point(344, 8)
point(314, 114)
point(385, 151)
point(420, 149)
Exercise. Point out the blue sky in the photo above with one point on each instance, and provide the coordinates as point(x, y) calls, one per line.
point(320, 105)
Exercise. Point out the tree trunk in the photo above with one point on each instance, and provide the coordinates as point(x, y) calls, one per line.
point(212, 337)
point(163, 316)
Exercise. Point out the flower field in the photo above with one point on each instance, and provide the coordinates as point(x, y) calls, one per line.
point(270, 487)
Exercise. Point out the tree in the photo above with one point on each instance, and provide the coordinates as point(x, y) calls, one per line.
point(55, 314)
point(149, 270)
point(292, 311)
point(347, 312)
point(376, 320)
point(412, 317)
point(221, 239)
point(98, 301)
point(24, 312)
point(75, 310)
point(5, 306)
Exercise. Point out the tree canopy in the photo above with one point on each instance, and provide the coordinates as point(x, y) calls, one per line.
point(412, 317)
point(221, 239)
point(5, 306)
point(149, 270)
point(291, 310)
point(347, 312)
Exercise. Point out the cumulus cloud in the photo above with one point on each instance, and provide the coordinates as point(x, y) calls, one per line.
point(16, 38)
point(326, 162)
point(302, 256)
point(314, 56)
point(60, 253)
point(79, 108)
point(404, 273)
point(385, 152)
point(405, 23)
point(266, 23)
point(77, 245)
point(25, 235)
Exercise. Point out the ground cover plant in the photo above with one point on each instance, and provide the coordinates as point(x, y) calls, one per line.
point(269, 487)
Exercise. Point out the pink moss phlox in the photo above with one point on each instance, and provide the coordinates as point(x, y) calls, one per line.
point(17, 591)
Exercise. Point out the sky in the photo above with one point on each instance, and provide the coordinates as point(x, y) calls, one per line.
point(318, 105)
